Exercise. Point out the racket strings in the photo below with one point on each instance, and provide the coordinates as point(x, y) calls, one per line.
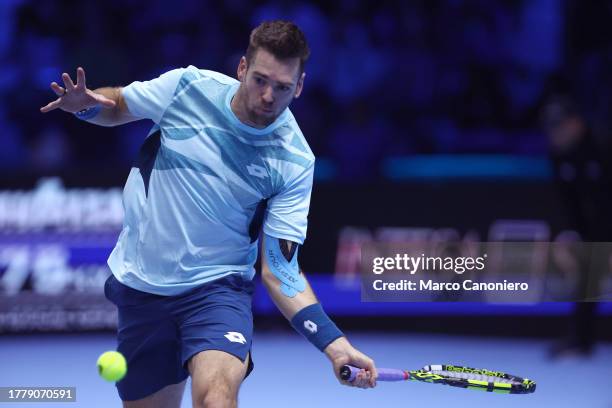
point(473, 376)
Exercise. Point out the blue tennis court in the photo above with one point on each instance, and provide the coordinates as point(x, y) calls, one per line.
point(290, 372)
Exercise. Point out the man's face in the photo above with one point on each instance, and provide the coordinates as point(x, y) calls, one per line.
point(269, 85)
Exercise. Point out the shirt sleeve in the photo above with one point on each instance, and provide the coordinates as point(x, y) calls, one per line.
point(287, 214)
point(149, 99)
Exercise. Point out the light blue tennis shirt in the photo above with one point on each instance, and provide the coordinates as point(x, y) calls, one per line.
point(196, 198)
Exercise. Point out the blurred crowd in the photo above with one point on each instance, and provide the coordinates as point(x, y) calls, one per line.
point(385, 78)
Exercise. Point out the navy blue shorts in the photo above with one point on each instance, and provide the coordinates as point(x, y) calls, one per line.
point(159, 334)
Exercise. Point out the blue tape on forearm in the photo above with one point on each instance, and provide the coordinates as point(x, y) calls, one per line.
point(88, 113)
point(316, 326)
point(287, 272)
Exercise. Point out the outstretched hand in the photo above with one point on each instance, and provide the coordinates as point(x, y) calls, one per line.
point(341, 352)
point(74, 98)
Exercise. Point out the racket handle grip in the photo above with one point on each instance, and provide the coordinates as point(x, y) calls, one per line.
point(349, 373)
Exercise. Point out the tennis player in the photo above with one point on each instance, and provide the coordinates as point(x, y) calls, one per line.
point(224, 158)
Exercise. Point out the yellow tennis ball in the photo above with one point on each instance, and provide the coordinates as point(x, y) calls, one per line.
point(112, 366)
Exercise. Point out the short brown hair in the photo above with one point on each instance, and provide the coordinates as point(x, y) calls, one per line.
point(283, 39)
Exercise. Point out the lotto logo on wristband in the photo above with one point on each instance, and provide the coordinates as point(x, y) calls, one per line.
point(320, 335)
point(310, 326)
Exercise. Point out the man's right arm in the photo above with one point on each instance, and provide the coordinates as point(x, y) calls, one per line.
point(114, 106)
point(104, 106)
point(117, 115)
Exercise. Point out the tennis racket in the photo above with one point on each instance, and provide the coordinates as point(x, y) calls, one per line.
point(456, 376)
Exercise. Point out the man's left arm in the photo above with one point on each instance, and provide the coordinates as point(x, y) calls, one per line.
point(290, 291)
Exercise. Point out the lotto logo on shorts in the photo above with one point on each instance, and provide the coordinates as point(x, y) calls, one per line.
point(235, 337)
point(310, 326)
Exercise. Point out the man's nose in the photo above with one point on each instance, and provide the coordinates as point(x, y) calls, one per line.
point(268, 96)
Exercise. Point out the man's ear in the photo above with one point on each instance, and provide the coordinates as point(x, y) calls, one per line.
point(242, 69)
point(300, 85)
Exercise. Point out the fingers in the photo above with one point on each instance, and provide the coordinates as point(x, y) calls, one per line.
point(81, 78)
point(363, 379)
point(58, 90)
point(371, 367)
point(361, 360)
point(68, 82)
point(344, 353)
point(50, 106)
point(69, 86)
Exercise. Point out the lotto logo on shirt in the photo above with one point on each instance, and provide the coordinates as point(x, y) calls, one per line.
point(257, 171)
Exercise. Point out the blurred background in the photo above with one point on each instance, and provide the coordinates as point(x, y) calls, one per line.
point(432, 120)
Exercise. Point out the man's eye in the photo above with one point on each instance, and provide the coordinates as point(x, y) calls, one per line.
point(259, 81)
point(283, 88)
